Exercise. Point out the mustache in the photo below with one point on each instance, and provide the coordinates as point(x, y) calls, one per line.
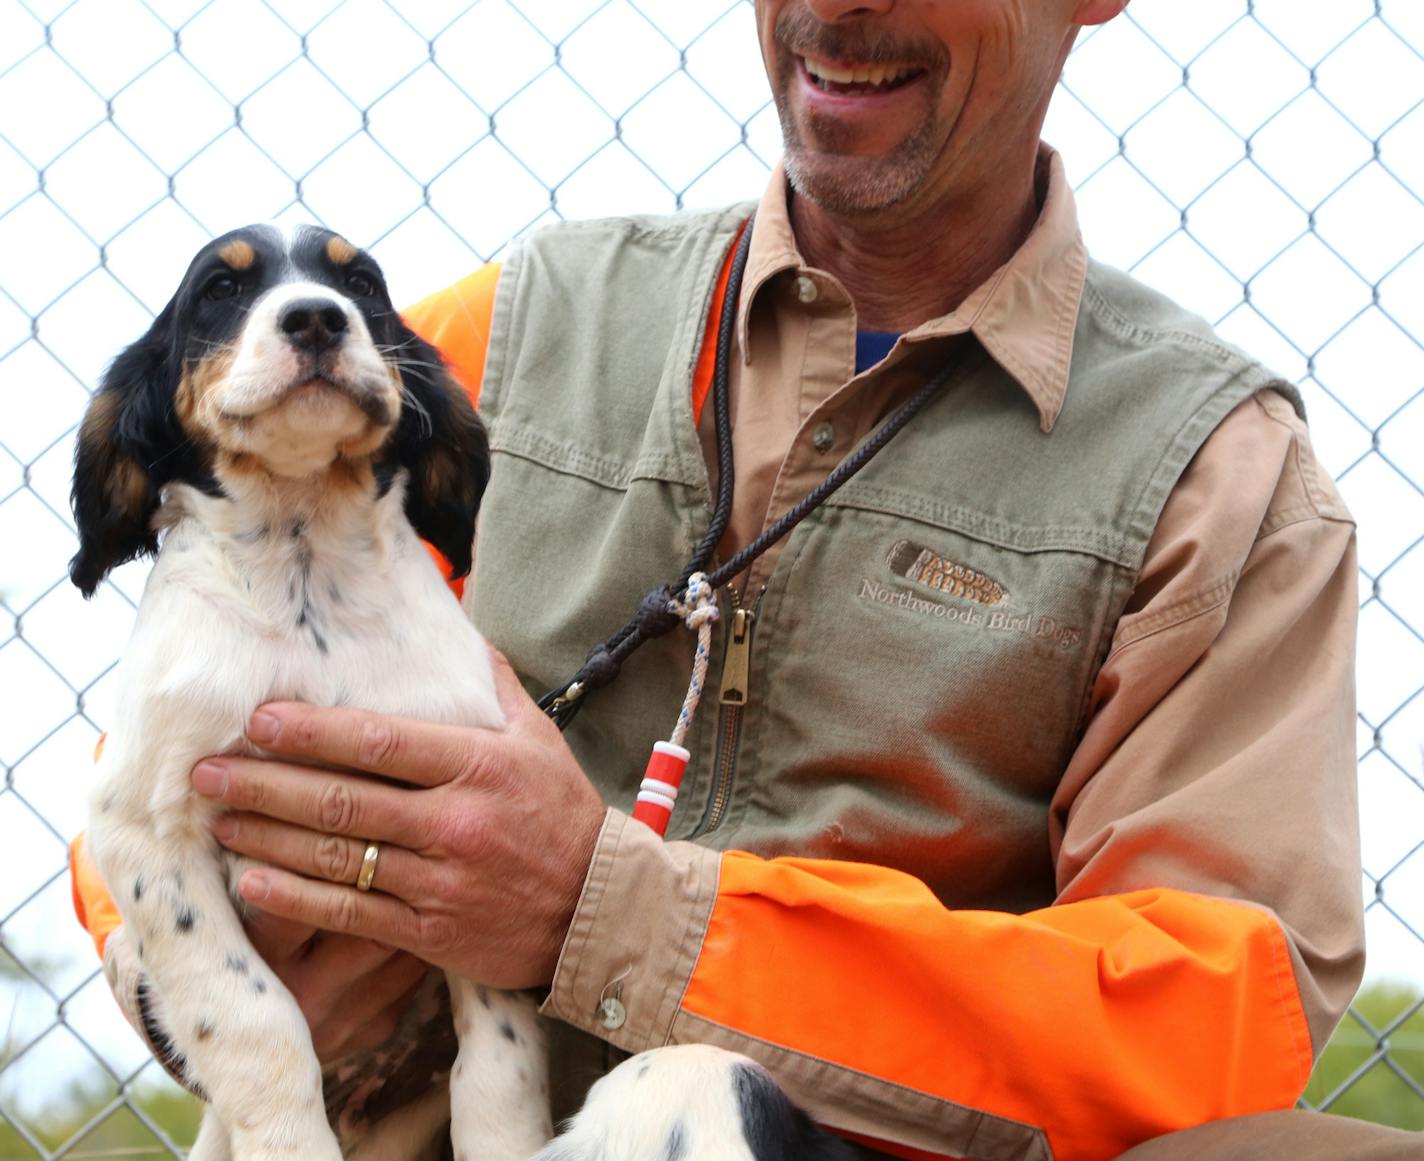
point(798, 31)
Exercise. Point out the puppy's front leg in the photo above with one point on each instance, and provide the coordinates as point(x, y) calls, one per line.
point(241, 1034)
point(499, 1086)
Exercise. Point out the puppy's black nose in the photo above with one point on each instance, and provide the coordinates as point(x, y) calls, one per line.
point(312, 324)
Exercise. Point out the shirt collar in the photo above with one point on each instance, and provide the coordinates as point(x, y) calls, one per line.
point(1024, 313)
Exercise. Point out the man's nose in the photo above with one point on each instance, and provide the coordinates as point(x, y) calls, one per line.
point(831, 11)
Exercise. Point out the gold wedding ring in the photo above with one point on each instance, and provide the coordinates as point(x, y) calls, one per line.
point(368, 867)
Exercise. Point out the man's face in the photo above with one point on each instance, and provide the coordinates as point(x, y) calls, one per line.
point(888, 101)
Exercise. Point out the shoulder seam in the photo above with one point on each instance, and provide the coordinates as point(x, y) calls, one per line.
point(1108, 313)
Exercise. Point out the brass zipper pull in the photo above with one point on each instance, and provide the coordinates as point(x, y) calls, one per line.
point(736, 668)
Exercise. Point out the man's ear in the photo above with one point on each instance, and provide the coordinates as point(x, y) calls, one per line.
point(442, 444)
point(128, 431)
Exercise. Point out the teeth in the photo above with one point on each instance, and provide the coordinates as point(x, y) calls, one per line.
point(829, 73)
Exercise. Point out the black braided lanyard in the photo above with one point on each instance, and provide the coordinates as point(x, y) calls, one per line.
point(654, 617)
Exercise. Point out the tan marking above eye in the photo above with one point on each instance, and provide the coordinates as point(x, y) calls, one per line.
point(238, 254)
point(340, 251)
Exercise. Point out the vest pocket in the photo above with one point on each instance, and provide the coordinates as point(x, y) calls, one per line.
point(918, 693)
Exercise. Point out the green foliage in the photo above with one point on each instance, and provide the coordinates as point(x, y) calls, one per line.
point(120, 1135)
point(1379, 1094)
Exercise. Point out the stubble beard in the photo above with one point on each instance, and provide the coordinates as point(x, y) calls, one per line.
point(842, 183)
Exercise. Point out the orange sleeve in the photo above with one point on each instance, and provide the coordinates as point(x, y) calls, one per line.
point(1102, 1023)
point(93, 904)
point(456, 321)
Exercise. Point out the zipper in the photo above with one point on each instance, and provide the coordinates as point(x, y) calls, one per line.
point(735, 693)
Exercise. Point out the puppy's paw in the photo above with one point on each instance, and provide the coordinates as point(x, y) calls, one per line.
point(691, 1103)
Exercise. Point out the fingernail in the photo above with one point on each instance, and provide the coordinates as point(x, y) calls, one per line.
point(262, 727)
point(255, 887)
point(225, 828)
point(210, 779)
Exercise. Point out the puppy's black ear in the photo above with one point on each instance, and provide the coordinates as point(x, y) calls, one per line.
point(127, 432)
point(442, 443)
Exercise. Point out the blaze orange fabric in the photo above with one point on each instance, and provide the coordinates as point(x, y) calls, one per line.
point(92, 902)
point(456, 322)
point(1167, 1009)
point(705, 370)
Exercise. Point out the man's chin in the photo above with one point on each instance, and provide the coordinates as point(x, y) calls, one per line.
point(850, 186)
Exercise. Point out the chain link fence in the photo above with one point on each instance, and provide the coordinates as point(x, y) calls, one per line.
point(1261, 162)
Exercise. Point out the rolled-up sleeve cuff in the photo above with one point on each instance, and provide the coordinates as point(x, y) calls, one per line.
point(635, 936)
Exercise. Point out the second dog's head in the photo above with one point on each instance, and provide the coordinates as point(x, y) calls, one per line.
point(280, 354)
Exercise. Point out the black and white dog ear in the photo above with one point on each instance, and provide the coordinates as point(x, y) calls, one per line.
point(442, 444)
point(127, 431)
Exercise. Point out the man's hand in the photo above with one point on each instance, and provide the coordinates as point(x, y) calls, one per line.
point(352, 991)
point(485, 835)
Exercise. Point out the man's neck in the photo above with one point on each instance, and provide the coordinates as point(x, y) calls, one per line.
point(903, 269)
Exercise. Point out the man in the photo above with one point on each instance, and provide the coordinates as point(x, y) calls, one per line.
point(1053, 701)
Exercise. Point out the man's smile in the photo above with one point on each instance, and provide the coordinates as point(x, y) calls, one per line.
point(852, 79)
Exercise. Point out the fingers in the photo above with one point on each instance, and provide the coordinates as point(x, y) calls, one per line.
point(514, 699)
point(277, 940)
point(320, 800)
point(335, 858)
point(370, 1018)
point(415, 752)
point(331, 907)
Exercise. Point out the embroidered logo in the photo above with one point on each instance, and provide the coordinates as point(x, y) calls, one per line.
point(916, 563)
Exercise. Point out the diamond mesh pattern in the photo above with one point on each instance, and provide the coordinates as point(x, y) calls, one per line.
point(133, 130)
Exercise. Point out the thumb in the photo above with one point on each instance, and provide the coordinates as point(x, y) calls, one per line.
point(519, 708)
point(275, 939)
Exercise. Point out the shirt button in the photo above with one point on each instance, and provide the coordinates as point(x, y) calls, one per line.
point(806, 289)
point(612, 1014)
point(823, 435)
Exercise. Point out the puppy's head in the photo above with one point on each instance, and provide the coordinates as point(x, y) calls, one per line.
point(279, 355)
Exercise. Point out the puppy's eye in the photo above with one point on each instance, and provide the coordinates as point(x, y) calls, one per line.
point(360, 284)
point(223, 286)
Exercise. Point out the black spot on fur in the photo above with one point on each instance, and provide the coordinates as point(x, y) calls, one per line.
point(643, 1069)
point(185, 920)
point(506, 1029)
point(774, 1128)
point(236, 963)
point(676, 1144)
point(259, 986)
point(483, 994)
point(138, 889)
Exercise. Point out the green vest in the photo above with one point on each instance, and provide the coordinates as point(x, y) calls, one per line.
point(923, 654)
